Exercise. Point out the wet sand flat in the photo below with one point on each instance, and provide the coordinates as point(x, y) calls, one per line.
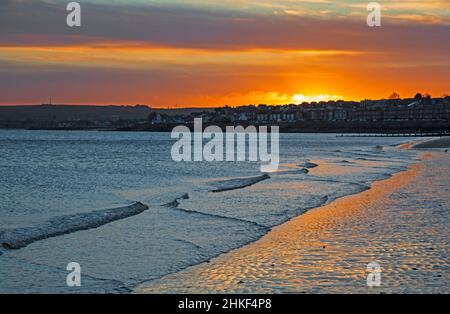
point(401, 224)
point(443, 142)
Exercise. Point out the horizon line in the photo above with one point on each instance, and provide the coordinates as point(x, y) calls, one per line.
point(174, 107)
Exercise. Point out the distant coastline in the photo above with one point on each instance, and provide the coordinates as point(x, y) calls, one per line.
point(401, 116)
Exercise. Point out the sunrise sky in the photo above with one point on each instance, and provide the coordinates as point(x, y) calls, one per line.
point(221, 52)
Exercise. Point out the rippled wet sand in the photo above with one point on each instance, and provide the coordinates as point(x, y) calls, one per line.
point(401, 223)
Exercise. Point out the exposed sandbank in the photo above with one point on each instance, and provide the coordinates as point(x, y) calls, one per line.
point(443, 142)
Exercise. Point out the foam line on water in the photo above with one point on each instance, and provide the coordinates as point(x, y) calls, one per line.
point(21, 237)
point(189, 211)
point(176, 202)
point(363, 186)
point(238, 183)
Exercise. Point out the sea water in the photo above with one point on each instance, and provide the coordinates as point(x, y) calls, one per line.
point(66, 197)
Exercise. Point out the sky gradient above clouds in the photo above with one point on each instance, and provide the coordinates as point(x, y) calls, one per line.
point(214, 53)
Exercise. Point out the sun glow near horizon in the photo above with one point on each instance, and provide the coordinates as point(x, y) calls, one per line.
point(204, 53)
point(300, 98)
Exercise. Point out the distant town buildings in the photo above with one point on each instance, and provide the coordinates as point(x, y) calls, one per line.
point(412, 114)
point(413, 109)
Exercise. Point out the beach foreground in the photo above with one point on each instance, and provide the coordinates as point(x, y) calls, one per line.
point(400, 223)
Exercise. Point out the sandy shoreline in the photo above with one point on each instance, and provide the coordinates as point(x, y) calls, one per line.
point(326, 250)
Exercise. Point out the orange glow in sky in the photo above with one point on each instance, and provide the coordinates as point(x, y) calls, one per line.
point(183, 54)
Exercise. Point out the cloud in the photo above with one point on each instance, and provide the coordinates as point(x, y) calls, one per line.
point(210, 24)
point(219, 52)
